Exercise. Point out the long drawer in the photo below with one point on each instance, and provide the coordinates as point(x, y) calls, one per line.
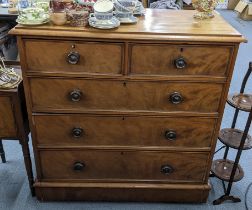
point(84, 130)
point(147, 59)
point(128, 165)
point(73, 57)
point(124, 95)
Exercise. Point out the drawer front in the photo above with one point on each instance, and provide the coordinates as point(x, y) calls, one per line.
point(141, 165)
point(120, 95)
point(85, 130)
point(7, 120)
point(61, 56)
point(179, 60)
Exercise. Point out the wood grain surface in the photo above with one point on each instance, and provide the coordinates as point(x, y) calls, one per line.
point(200, 60)
point(156, 23)
point(95, 57)
point(70, 191)
point(7, 121)
point(128, 165)
point(141, 131)
point(124, 95)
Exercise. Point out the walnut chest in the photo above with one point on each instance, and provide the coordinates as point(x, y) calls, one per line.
point(130, 114)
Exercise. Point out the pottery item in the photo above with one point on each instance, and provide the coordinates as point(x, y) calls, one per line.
point(57, 6)
point(129, 4)
point(78, 18)
point(204, 8)
point(43, 5)
point(57, 12)
point(120, 7)
point(103, 6)
point(58, 18)
point(32, 16)
point(86, 2)
point(123, 15)
point(32, 13)
point(104, 24)
point(103, 10)
point(126, 17)
point(139, 10)
point(102, 16)
point(32, 23)
point(129, 19)
point(23, 4)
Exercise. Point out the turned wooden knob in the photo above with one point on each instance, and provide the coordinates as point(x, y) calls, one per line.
point(75, 95)
point(166, 169)
point(170, 135)
point(77, 132)
point(73, 57)
point(176, 98)
point(79, 166)
point(180, 63)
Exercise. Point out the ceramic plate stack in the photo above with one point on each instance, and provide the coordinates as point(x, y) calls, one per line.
point(33, 16)
point(104, 24)
point(103, 16)
point(124, 10)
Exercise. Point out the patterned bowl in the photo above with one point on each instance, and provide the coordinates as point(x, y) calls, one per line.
point(204, 8)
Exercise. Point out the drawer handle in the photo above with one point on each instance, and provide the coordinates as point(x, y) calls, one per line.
point(73, 58)
point(176, 98)
point(77, 132)
point(170, 135)
point(180, 63)
point(75, 95)
point(166, 169)
point(78, 166)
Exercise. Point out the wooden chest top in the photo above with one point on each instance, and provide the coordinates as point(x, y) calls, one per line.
point(155, 25)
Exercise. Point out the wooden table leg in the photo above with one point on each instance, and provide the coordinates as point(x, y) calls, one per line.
point(28, 163)
point(2, 152)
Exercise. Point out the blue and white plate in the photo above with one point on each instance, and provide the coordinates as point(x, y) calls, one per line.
point(129, 20)
point(104, 24)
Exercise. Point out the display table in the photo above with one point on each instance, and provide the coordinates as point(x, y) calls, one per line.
point(14, 123)
point(130, 114)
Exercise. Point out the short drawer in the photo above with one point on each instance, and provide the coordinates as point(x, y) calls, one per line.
point(7, 120)
point(88, 130)
point(124, 95)
point(127, 165)
point(179, 60)
point(74, 57)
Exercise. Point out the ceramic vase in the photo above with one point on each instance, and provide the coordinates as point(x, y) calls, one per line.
point(204, 8)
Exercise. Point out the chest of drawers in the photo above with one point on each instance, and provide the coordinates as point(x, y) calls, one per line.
point(130, 114)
